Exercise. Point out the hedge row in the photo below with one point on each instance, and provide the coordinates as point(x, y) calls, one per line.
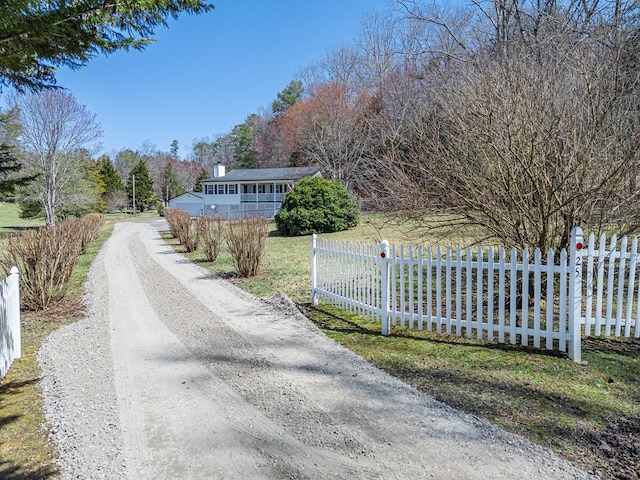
point(46, 257)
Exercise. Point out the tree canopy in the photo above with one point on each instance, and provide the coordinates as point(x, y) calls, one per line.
point(37, 37)
point(171, 184)
point(288, 97)
point(110, 177)
point(242, 137)
point(10, 163)
point(197, 187)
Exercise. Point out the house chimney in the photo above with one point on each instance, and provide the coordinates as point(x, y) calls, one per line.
point(218, 170)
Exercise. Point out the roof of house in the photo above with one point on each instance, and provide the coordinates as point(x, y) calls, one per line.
point(187, 194)
point(264, 174)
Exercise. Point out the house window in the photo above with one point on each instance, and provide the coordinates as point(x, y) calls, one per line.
point(281, 188)
point(220, 189)
point(248, 189)
point(233, 189)
point(208, 189)
point(261, 188)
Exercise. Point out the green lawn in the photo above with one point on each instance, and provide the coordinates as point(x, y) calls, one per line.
point(588, 414)
point(11, 222)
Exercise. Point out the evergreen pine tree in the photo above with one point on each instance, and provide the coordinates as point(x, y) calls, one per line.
point(203, 175)
point(171, 185)
point(145, 197)
point(39, 37)
point(9, 164)
point(110, 176)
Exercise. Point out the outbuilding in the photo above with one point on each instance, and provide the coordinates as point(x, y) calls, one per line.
point(190, 202)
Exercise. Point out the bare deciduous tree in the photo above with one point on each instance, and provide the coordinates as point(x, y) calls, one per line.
point(55, 129)
point(528, 124)
point(326, 128)
point(116, 200)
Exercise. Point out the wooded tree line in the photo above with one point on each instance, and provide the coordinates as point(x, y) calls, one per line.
point(516, 116)
point(519, 117)
point(53, 138)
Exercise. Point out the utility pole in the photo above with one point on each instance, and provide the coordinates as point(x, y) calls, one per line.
point(134, 195)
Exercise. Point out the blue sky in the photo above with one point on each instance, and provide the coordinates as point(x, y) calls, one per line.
point(207, 73)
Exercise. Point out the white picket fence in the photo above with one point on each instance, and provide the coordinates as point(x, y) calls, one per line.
point(10, 342)
point(590, 290)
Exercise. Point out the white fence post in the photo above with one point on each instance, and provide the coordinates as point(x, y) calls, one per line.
point(15, 313)
point(575, 294)
point(314, 270)
point(384, 294)
point(10, 336)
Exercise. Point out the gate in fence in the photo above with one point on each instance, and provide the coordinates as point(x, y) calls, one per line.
point(10, 343)
point(545, 301)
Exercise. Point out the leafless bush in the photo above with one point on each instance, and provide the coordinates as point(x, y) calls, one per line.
point(210, 232)
point(182, 220)
point(246, 240)
point(86, 229)
point(172, 214)
point(518, 121)
point(182, 228)
point(190, 239)
point(46, 258)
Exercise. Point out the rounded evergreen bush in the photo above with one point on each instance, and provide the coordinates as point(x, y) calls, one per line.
point(317, 205)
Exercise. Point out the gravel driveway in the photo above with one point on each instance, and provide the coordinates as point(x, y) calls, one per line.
point(178, 374)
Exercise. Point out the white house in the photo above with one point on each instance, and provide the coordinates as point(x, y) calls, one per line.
point(244, 192)
point(190, 201)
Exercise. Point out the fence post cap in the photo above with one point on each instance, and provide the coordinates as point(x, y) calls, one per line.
point(14, 270)
point(384, 246)
point(577, 238)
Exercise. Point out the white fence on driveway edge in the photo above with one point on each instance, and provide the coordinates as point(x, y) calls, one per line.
point(590, 290)
point(10, 343)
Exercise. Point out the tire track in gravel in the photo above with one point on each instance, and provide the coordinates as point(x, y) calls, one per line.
point(159, 373)
point(214, 383)
point(260, 381)
point(336, 416)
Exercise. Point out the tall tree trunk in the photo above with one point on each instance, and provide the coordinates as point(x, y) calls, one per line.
point(50, 202)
